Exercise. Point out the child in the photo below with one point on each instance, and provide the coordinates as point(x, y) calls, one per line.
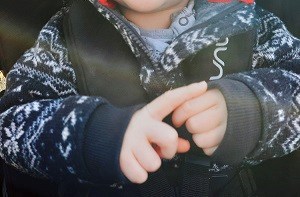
point(249, 112)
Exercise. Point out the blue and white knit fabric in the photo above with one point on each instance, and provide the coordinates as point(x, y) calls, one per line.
point(43, 118)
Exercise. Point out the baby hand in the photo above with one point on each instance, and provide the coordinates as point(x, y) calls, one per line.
point(146, 128)
point(205, 118)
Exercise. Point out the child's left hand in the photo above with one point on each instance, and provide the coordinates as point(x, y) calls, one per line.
point(205, 118)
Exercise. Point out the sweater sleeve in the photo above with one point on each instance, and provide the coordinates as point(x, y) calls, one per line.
point(263, 104)
point(47, 129)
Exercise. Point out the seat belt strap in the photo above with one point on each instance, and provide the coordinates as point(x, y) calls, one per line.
point(196, 176)
point(247, 182)
point(157, 185)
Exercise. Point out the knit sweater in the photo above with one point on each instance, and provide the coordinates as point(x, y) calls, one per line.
point(49, 130)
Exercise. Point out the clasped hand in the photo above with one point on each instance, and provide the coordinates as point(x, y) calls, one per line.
point(148, 139)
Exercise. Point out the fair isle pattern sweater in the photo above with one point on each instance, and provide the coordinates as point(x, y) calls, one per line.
point(46, 126)
point(44, 120)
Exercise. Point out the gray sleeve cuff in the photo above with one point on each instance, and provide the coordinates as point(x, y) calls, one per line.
point(244, 122)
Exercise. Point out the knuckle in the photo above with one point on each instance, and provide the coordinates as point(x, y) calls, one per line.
point(208, 152)
point(154, 166)
point(187, 107)
point(136, 116)
point(126, 165)
point(209, 142)
point(124, 161)
point(170, 96)
point(173, 136)
point(191, 125)
point(176, 119)
point(197, 141)
point(140, 178)
point(169, 155)
point(145, 110)
point(204, 141)
point(169, 150)
point(188, 90)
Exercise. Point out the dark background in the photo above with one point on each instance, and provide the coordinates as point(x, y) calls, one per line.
point(287, 10)
point(281, 177)
point(20, 22)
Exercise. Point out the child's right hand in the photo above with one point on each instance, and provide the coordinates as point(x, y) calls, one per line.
point(146, 128)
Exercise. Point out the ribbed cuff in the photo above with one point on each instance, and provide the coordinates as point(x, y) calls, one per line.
point(103, 140)
point(244, 123)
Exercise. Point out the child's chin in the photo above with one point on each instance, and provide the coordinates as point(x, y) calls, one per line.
point(143, 6)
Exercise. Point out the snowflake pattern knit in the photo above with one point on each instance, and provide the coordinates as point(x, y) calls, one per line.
point(43, 118)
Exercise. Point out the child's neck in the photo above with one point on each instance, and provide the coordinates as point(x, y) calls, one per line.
point(155, 20)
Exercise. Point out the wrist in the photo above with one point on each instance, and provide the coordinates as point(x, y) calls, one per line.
point(103, 140)
point(244, 121)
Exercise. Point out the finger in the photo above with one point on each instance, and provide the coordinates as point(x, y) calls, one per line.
point(209, 139)
point(210, 151)
point(163, 105)
point(205, 121)
point(164, 136)
point(147, 157)
point(183, 145)
point(193, 107)
point(132, 169)
point(157, 150)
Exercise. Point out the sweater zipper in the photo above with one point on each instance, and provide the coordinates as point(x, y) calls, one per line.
point(139, 41)
point(132, 32)
point(142, 44)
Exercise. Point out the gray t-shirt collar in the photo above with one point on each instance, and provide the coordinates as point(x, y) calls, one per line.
point(159, 39)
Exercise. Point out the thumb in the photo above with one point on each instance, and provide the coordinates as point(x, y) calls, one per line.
point(163, 105)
